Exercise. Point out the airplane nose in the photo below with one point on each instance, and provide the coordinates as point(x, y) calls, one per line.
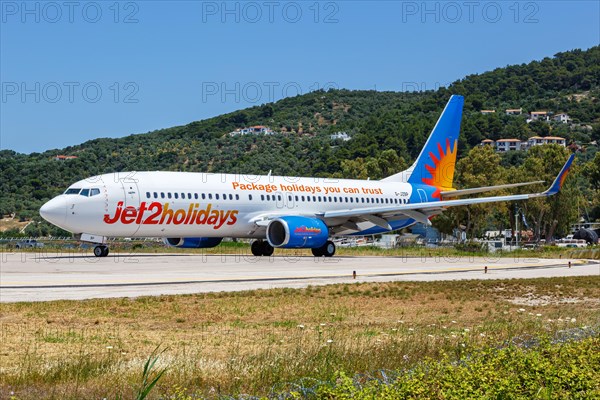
point(55, 211)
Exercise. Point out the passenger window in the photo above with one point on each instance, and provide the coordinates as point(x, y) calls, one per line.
point(262, 197)
point(330, 199)
point(176, 195)
point(94, 192)
point(314, 198)
point(210, 196)
point(155, 194)
point(189, 196)
point(147, 195)
point(203, 196)
point(250, 197)
point(169, 195)
point(217, 196)
point(319, 198)
point(334, 199)
point(85, 192)
point(289, 198)
point(162, 195)
point(237, 196)
point(296, 198)
point(196, 196)
point(302, 198)
point(230, 197)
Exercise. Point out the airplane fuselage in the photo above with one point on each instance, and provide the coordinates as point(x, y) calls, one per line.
point(184, 204)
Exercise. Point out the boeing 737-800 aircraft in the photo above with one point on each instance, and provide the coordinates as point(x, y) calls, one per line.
point(196, 210)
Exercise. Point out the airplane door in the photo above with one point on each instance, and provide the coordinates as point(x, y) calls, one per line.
point(132, 199)
point(422, 195)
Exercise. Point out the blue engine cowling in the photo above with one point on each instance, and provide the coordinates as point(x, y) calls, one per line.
point(297, 232)
point(193, 243)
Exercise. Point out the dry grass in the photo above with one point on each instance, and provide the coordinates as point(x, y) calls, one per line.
point(249, 342)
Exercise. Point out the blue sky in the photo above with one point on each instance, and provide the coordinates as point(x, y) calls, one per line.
point(74, 71)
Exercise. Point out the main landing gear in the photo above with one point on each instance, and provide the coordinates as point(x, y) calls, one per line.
point(101, 251)
point(327, 250)
point(261, 248)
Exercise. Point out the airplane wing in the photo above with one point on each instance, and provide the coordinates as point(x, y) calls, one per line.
point(421, 212)
point(463, 192)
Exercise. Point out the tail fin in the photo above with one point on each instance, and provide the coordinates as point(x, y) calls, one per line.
point(435, 164)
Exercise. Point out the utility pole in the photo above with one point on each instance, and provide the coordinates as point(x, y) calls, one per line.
point(516, 226)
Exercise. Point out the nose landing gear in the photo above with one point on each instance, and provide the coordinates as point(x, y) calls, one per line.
point(101, 251)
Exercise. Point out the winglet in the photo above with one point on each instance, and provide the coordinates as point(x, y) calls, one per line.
point(560, 179)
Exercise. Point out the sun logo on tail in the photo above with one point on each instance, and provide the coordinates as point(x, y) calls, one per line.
point(442, 171)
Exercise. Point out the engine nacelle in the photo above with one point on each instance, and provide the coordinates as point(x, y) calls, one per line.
point(193, 243)
point(297, 232)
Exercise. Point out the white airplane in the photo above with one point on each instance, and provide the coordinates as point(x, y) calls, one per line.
point(197, 210)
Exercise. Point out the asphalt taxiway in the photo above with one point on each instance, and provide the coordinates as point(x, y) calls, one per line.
point(43, 277)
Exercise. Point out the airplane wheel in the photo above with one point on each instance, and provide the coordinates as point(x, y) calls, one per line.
point(267, 249)
point(317, 251)
point(257, 248)
point(328, 249)
point(100, 251)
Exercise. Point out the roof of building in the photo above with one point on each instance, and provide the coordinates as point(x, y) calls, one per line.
point(487, 141)
point(508, 140)
point(514, 109)
point(554, 138)
point(539, 112)
point(536, 137)
point(488, 111)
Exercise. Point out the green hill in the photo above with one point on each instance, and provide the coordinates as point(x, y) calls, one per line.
point(378, 122)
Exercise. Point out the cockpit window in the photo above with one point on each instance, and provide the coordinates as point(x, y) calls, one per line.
point(96, 191)
point(73, 191)
point(85, 192)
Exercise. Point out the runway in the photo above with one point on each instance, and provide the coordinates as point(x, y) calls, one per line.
point(43, 277)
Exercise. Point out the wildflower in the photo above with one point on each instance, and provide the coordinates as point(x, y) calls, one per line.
point(453, 322)
point(410, 329)
point(109, 347)
point(482, 334)
point(323, 324)
point(538, 315)
point(467, 330)
point(521, 310)
point(300, 326)
point(573, 320)
point(394, 329)
point(329, 341)
point(430, 336)
point(405, 357)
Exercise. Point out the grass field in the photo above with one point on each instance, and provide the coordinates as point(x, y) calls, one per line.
point(242, 248)
point(260, 341)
